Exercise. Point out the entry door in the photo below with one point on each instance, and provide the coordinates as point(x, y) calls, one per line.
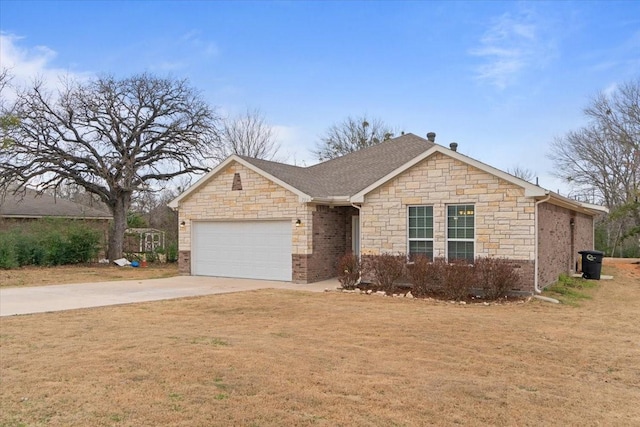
point(355, 235)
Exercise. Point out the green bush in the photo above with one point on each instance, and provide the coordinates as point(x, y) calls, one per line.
point(49, 242)
point(29, 251)
point(83, 244)
point(172, 252)
point(7, 251)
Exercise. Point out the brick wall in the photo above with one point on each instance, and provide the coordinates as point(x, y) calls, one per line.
point(559, 242)
point(331, 240)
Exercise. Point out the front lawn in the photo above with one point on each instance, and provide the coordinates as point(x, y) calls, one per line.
point(274, 358)
point(67, 274)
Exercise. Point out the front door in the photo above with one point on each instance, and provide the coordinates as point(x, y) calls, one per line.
point(355, 235)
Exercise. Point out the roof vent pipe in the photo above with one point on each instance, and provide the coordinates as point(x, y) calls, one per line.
point(453, 146)
point(431, 136)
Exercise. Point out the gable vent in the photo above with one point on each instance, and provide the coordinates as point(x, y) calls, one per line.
point(237, 182)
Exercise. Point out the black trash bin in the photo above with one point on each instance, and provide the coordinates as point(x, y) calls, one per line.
point(591, 264)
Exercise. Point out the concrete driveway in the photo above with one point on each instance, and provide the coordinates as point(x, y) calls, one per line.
point(43, 299)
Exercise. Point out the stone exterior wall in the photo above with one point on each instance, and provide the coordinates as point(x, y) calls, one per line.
point(259, 198)
point(559, 241)
point(505, 218)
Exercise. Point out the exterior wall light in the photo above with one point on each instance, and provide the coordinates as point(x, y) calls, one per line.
point(182, 224)
point(298, 222)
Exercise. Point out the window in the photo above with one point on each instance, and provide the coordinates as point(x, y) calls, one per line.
point(421, 231)
point(460, 232)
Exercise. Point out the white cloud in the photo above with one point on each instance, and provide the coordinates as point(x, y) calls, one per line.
point(510, 46)
point(26, 64)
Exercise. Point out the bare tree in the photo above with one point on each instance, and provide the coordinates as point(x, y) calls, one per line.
point(602, 159)
point(8, 120)
point(248, 134)
point(522, 173)
point(350, 135)
point(112, 137)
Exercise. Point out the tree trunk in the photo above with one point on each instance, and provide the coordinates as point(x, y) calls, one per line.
point(116, 232)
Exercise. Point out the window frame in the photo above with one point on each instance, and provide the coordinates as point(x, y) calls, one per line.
point(471, 240)
point(420, 239)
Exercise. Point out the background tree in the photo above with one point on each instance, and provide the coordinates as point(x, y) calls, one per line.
point(248, 134)
point(8, 120)
point(601, 160)
point(522, 173)
point(350, 135)
point(112, 137)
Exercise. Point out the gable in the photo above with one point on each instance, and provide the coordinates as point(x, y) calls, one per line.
point(445, 178)
point(530, 189)
point(221, 168)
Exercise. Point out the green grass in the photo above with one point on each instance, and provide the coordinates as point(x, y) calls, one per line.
point(570, 290)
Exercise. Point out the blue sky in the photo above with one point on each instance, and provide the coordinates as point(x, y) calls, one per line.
point(502, 79)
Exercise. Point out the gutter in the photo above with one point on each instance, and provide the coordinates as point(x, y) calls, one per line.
point(536, 285)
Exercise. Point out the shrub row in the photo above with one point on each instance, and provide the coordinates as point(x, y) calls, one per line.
point(495, 277)
point(56, 244)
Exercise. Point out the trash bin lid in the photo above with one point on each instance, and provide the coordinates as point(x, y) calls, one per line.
point(591, 253)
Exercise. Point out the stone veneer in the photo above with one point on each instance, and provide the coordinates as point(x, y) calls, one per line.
point(259, 199)
point(505, 223)
point(505, 218)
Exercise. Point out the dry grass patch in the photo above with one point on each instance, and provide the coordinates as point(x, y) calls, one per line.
point(273, 358)
point(67, 274)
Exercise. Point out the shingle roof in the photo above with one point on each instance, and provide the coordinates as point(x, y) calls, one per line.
point(347, 175)
point(32, 205)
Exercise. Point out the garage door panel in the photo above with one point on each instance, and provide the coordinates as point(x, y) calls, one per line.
point(248, 249)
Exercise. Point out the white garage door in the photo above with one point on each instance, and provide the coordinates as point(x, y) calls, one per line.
point(247, 249)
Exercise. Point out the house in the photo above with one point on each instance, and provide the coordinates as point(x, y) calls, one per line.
point(258, 219)
point(27, 206)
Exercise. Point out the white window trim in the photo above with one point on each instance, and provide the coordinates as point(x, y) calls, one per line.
point(422, 239)
point(446, 231)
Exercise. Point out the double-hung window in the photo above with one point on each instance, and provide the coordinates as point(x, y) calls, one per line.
point(460, 232)
point(421, 231)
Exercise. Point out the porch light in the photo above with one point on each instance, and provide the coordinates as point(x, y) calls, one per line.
point(182, 224)
point(298, 222)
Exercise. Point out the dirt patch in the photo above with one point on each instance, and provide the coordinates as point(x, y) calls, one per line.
point(273, 358)
point(630, 266)
point(41, 276)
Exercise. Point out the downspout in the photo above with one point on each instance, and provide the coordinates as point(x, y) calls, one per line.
point(536, 285)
